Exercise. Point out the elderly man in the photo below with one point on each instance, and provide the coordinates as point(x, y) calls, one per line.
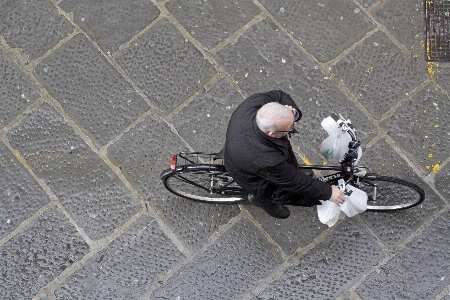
point(259, 156)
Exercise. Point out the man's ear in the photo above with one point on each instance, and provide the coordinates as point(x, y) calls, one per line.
point(271, 134)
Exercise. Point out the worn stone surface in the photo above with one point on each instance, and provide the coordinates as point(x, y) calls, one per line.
point(142, 154)
point(393, 227)
point(212, 21)
point(422, 121)
point(203, 123)
point(441, 75)
point(418, 271)
point(441, 180)
point(376, 63)
point(95, 96)
point(100, 100)
point(367, 3)
point(89, 190)
point(404, 19)
point(291, 234)
point(112, 23)
point(33, 26)
point(21, 195)
point(38, 254)
point(16, 89)
point(240, 258)
point(328, 270)
point(166, 66)
point(324, 28)
point(127, 268)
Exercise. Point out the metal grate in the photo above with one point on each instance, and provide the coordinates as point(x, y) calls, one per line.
point(438, 30)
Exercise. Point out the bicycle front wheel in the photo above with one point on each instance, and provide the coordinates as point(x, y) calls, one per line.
point(390, 193)
point(207, 183)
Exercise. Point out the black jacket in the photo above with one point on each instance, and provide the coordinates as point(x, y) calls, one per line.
point(266, 166)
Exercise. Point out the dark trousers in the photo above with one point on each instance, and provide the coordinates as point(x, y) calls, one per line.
point(281, 196)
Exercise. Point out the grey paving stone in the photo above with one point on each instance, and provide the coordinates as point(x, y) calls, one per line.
point(203, 123)
point(39, 253)
point(367, 3)
point(228, 269)
point(111, 23)
point(324, 28)
point(20, 195)
point(349, 296)
point(442, 75)
point(17, 91)
point(298, 231)
point(423, 122)
point(264, 58)
point(330, 268)
point(378, 74)
point(142, 154)
point(85, 185)
point(441, 181)
point(419, 271)
point(166, 66)
point(405, 20)
point(100, 100)
point(34, 26)
point(210, 22)
point(391, 228)
point(126, 268)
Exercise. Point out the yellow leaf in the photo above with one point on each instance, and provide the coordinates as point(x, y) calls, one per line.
point(436, 167)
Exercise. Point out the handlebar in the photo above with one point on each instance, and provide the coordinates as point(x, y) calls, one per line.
point(345, 125)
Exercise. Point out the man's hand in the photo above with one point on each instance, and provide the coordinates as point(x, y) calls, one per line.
point(294, 112)
point(337, 196)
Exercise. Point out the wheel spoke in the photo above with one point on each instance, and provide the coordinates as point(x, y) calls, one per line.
point(388, 193)
point(192, 182)
point(207, 183)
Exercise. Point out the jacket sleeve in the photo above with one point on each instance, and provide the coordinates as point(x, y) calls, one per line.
point(290, 178)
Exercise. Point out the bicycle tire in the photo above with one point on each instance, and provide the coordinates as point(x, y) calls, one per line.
point(391, 193)
point(203, 182)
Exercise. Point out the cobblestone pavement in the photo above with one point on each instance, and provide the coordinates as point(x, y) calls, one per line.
point(96, 95)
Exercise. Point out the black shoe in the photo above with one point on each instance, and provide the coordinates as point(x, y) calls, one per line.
point(278, 211)
point(219, 155)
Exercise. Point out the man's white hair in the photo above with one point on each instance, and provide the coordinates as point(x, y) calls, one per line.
point(269, 113)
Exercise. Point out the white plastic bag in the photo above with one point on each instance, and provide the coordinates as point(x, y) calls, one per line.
point(355, 201)
point(330, 126)
point(334, 147)
point(328, 212)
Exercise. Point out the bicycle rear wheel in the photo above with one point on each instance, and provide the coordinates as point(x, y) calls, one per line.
point(203, 182)
point(390, 193)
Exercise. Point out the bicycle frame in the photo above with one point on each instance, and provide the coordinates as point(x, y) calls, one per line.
point(203, 177)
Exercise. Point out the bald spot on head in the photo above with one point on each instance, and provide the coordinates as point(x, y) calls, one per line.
point(271, 116)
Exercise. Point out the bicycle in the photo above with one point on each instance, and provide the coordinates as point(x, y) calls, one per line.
point(203, 177)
